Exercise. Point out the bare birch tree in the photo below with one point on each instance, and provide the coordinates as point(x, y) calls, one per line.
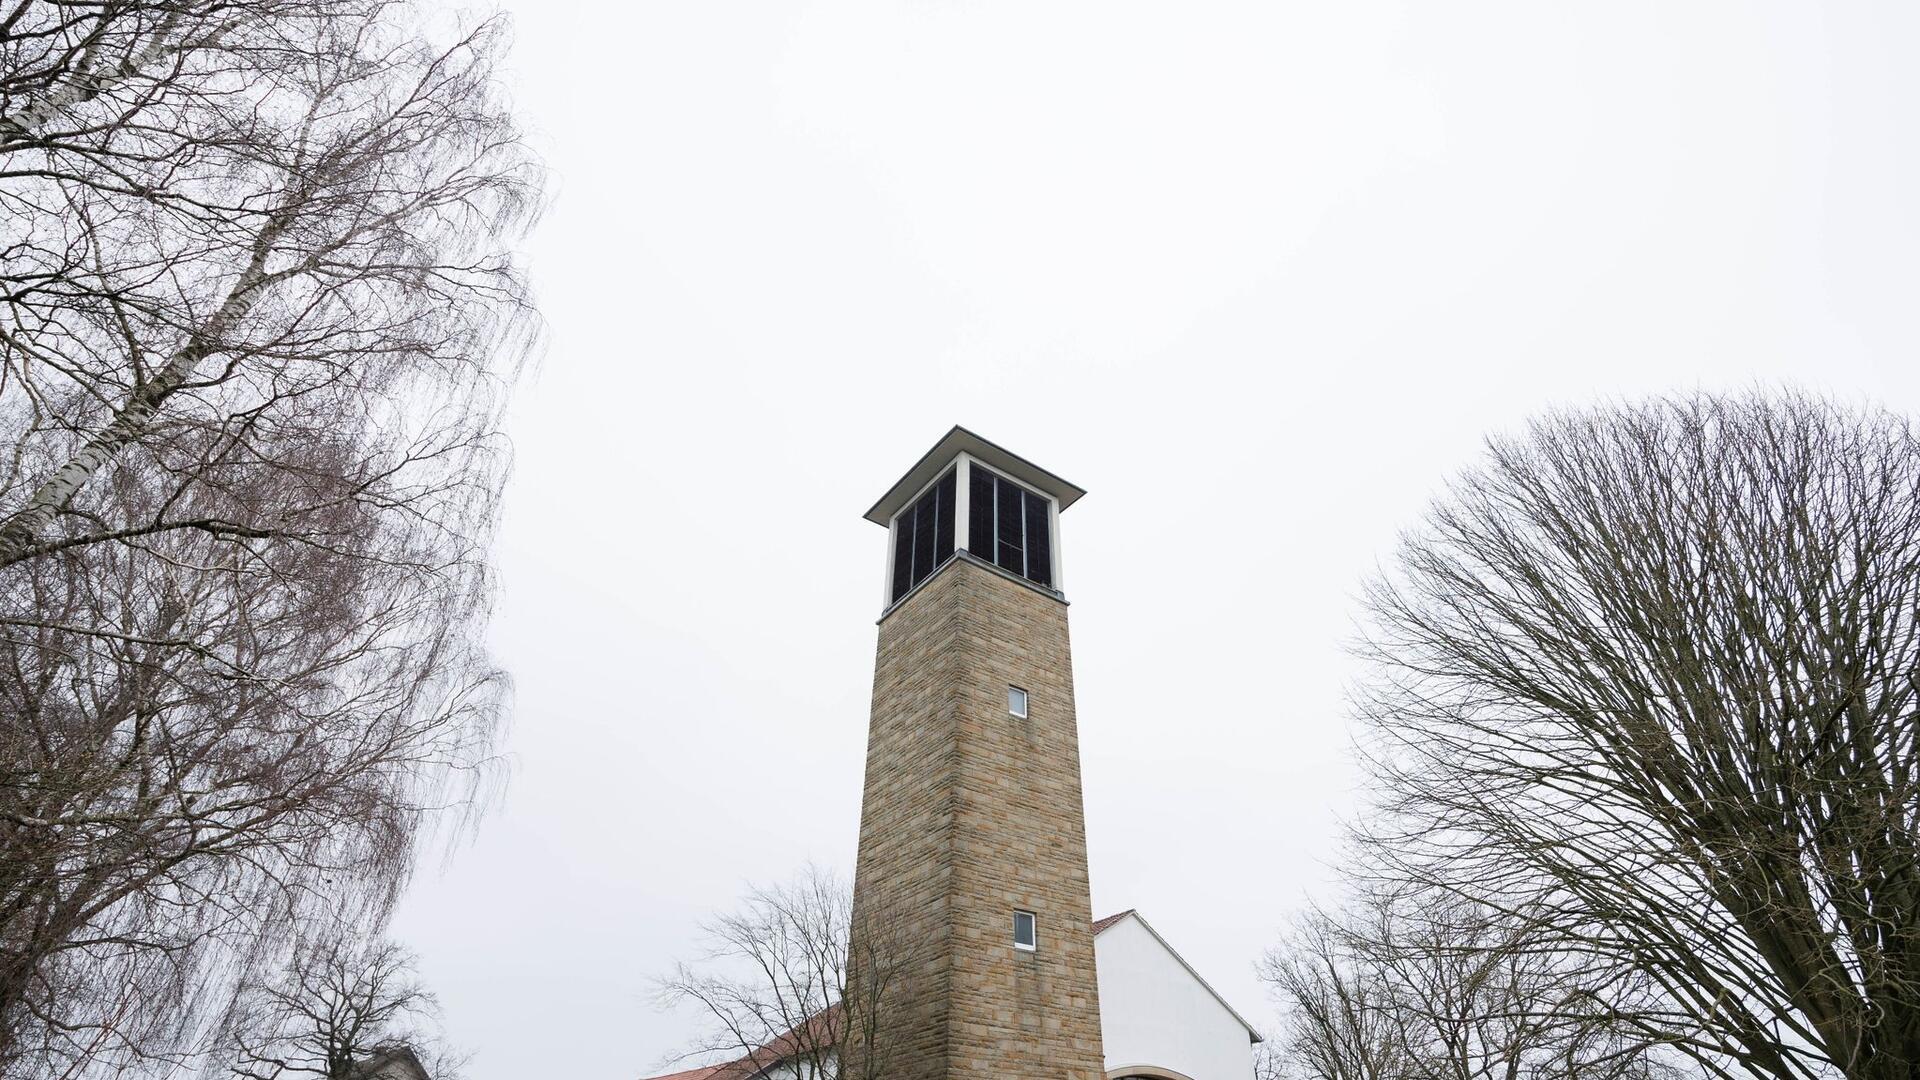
point(1647, 679)
point(786, 981)
point(257, 313)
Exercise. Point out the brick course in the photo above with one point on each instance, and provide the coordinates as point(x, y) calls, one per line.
point(968, 814)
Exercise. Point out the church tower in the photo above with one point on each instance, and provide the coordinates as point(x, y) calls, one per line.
point(973, 856)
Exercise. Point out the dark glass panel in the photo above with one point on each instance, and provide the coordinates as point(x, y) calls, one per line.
point(1008, 508)
point(1011, 557)
point(1023, 929)
point(902, 554)
point(923, 533)
point(923, 537)
point(943, 531)
point(980, 512)
point(1039, 542)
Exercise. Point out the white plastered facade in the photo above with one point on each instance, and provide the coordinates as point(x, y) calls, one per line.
point(1158, 1017)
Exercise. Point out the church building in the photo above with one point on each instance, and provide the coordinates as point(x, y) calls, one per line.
point(972, 832)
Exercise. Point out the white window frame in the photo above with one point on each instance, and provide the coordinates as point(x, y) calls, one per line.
point(1026, 702)
point(1033, 920)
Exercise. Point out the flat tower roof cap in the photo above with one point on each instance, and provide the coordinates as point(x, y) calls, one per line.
point(993, 456)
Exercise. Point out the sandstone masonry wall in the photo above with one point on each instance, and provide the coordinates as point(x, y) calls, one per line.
point(969, 814)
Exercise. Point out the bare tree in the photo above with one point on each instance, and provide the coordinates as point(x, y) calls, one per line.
point(248, 753)
point(787, 982)
point(338, 1005)
point(301, 211)
point(1393, 990)
point(1271, 1060)
point(1342, 1021)
point(1647, 680)
point(257, 314)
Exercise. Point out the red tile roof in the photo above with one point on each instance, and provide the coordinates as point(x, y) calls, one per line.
point(817, 1032)
point(1101, 926)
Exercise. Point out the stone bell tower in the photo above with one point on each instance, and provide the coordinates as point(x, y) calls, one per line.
point(973, 854)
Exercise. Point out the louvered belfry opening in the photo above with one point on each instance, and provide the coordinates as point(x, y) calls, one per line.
point(975, 500)
point(923, 535)
point(1010, 526)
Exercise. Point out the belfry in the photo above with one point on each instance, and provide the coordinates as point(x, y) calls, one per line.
point(972, 830)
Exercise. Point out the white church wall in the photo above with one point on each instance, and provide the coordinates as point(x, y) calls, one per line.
point(1154, 1012)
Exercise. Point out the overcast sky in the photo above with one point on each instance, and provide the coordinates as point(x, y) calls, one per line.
point(1260, 276)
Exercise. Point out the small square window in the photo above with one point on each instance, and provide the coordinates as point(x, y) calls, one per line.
point(1023, 931)
point(1017, 702)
